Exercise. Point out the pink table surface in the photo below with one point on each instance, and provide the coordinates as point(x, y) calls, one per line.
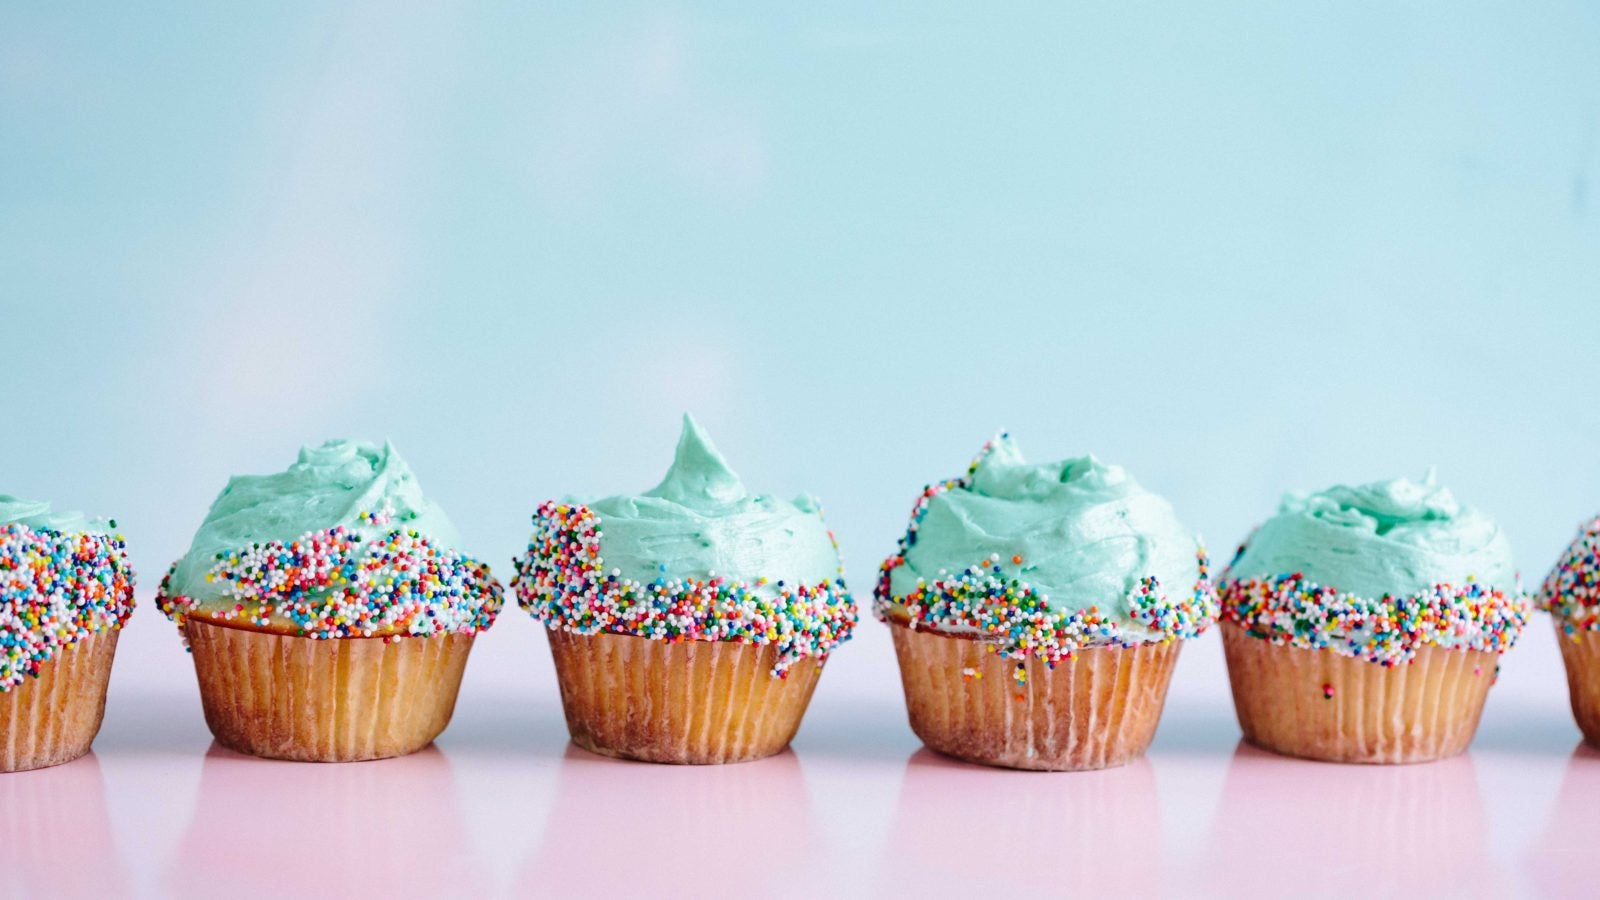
point(504, 805)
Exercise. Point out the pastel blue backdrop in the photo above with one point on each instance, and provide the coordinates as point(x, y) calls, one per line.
point(1237, 250)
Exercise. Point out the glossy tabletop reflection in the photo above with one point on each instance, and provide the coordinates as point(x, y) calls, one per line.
point(503, 805)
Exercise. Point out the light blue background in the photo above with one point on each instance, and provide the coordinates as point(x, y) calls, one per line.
point(1236, 251)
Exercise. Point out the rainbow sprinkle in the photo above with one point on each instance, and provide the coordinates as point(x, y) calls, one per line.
point(919, 511)
point(1291, 610)
point(1571, 593)
point(57, 588)
point(563, 583)
point(983, 600)
point(332, 584)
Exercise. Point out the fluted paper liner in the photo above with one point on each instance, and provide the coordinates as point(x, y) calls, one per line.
point(52, 719)
point(694, 702)
point(1096, 710)
point(334, 700)
point(1319, 704)
point(1581, 653)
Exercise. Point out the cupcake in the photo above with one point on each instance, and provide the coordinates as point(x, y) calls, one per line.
point(66, 588)
point(690, 623)
point(328, 610)
point(1571, 594)
point(1038, 610)
point(1365, 624)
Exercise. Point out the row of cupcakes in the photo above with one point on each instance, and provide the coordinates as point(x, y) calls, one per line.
point(1037, 611)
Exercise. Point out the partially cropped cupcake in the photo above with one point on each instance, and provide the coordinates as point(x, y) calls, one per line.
point(1038, 609)
point(690, 623)
point(1571, 594)
point(66, 589)
point(1365, 624)
point(328, 609)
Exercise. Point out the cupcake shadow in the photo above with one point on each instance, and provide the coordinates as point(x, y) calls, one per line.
point(619, 828)
point(267, 828)
point(1288, 827)
point(55, 834)
point(1561, 861)
point(966, 828)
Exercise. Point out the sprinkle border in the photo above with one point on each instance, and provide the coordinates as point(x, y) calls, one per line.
point(57, 588)
point(1571, 592)
point(331, 584)
point(1291, 610)
point(562, 582)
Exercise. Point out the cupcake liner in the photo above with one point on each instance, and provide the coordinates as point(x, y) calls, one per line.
point(52, 719)
point(325, 700)
point(694, 702)
point(1096, 710)
point(1581, 653)
point(1319, 704)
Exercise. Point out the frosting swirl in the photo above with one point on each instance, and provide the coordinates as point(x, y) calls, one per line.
point(1047, 558)
point(1377, 572)
point(1389, 537)
point(38, 515)
point(342, 544)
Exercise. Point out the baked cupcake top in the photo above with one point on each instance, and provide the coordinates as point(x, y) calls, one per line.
point(1047, 558)
point(63, 577)
point(697, 557)
point(1377, 571)
point(1571, 592)
point(342, 544)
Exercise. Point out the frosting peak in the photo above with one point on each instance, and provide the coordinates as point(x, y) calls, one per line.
point(695, 558)
point(699, 476)
point(700, 521)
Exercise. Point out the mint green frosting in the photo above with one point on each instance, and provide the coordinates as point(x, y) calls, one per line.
point(700, 521)
point(341, 483)
point(1397, 537)
point(36, 514)
point(1086, 534)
